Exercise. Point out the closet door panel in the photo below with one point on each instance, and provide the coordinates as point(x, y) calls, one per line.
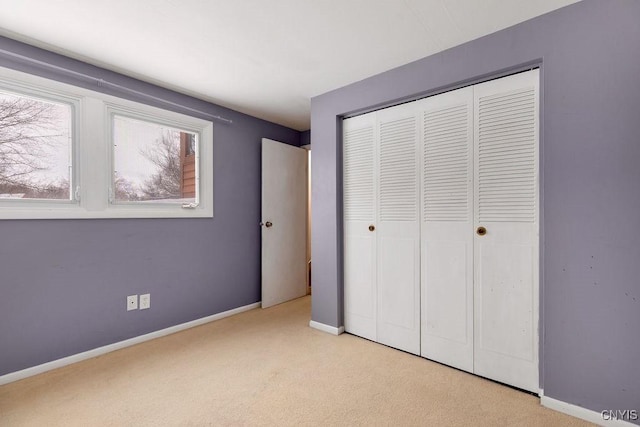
point(447, 228)
point(397, 278)
point(360, 298)
point(398, 246)
point(506, 309)
point(506, 206)
point(359, 193)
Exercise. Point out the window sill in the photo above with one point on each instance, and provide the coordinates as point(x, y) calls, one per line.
point(68, 211)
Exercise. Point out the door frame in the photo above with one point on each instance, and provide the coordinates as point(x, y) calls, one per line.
point(308, 148)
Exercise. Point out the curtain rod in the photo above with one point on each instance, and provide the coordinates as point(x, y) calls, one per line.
point(104, 83)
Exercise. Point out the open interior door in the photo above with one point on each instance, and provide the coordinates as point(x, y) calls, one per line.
point(284, 222)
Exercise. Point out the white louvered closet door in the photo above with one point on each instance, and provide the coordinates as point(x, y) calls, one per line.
point(359, 200)
point(447, 228)
point(506, 205)
point(398, 229)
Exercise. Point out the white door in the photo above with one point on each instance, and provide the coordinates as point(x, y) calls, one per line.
point(506, 222)
point(447, 228)
point(284, 219)
point(398, 229)
point(359, 192)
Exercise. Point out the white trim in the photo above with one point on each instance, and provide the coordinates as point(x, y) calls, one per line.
point(580, 412)
point(35, 370)
point(326, 328)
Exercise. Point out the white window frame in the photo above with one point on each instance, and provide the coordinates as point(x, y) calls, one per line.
point(170, 122)
point(92, 155)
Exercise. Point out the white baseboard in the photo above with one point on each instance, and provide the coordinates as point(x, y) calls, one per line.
point(326, 328)
point(35, 370)
point(582, 413)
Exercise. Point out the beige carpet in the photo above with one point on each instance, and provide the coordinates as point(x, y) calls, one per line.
point(265, 367)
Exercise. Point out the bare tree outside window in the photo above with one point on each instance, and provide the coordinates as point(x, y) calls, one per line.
point(165, 155)
point(35, 146)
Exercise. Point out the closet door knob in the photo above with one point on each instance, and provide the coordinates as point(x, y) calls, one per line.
point(481, 231)
point(372, 227)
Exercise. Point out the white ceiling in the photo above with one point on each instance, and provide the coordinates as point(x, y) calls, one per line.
point(263, 58)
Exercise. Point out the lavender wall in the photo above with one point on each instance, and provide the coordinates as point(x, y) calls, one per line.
point(590, 312)
point(305, 137)
point(63, 283)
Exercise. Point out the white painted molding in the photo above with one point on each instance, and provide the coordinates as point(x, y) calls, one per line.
point(35, 370)
point(326, 328)
point(582, 413)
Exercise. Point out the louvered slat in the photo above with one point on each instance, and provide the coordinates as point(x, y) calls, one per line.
point(398, 182)
point(506, 156)
point(446, 165)
point(358, 175)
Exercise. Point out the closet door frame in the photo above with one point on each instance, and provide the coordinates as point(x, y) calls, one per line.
point(539, 265)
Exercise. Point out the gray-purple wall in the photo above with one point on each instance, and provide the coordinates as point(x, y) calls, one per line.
point(63, 283)
point(305, 137)
point(589, 55)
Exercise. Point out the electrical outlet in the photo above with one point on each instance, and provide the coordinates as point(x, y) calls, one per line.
point(145, 301)
point(132, 302)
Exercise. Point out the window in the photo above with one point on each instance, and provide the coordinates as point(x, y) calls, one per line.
point(67, 152)
point(153, 162)
point(35, 148)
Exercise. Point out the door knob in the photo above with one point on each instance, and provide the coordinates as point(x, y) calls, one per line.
point(372, 227)
point(268, 224)
point(481, 231)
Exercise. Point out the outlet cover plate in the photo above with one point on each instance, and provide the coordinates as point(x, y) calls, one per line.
point(145, 301)
point(132, 302)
